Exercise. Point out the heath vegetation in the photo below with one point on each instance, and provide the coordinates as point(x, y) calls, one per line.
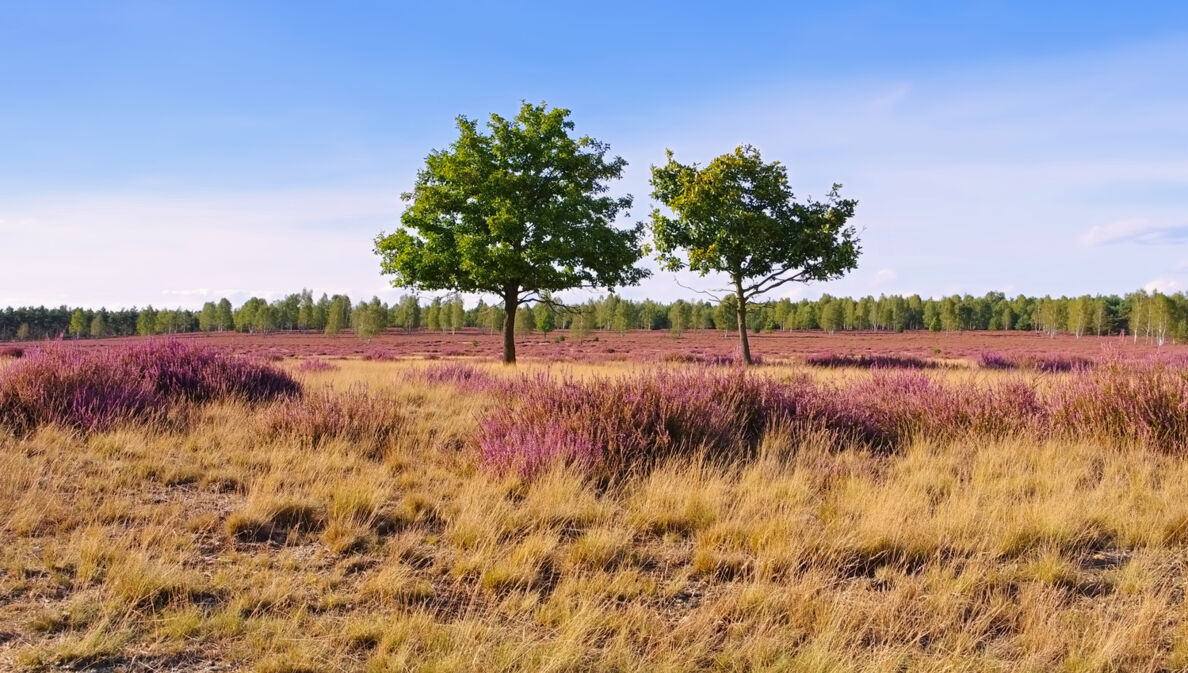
point(396, 515)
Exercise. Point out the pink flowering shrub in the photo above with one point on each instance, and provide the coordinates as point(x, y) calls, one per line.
point(1145, 403)
point(313, 365)
point(710, 359)
point(92, 390)
point(1039, 363)
point(622, 420)
point(868, 361)
point(465, 377)
point(623, 423)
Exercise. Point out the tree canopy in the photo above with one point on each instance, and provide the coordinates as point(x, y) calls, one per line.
point(517, 211)
point(738, 216)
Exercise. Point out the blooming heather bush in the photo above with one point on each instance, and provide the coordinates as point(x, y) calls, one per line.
point(699, 358)
point(356, 416)
point(462, 376)
point(995, 361)
point(315, 365)
point(1144, 403)
point(13, 352)
point(890, 408)
point(379, 354)
point(706, 358)
point(1059, 363)
point(94, 390)
point(615, 424)
point(868, 361)
point(181, 371)
point(636, 419)
point(1040, 363)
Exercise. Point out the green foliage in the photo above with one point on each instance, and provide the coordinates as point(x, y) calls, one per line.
point(726, 314)
point(737, 216)
point(433, 315)
point(99, 326)
point(543, 316)
point(337, 315)
point(78, 323)
point(582, 323)
point(369, 319)
point(831, 316)
point(456, 315)
point(146, 322)
point(679, 317)
point(407, 313)
point(207, 318)
point(525, 322)
point(624, 317)
point(224, 317)
point(516, 211)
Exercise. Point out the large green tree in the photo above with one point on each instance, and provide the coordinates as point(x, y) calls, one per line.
point(517, 210)
point(737, 216)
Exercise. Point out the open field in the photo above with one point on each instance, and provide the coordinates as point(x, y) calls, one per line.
point(652, 346)
point(430, 516)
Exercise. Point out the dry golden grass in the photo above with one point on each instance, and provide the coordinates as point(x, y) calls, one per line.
point(223, 547)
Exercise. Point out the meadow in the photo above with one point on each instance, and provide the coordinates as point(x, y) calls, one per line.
point(866, 502)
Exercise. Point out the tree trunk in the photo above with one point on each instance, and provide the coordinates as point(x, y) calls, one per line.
point(510, 304)
point(742, 323)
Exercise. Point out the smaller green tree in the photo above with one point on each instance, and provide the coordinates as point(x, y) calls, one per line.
point(334, 317)
point(224, 316)
point(305, 310)
point(457, 315)
point(146, 321)
point(624, 317)
point(207, 318)
point(98, 326)
point(433, 315)
point(737, 217)
point(830, 317)
point(679, 315)
point(369, 319)
point(726, 314)
point(78, 323)
point(525, 321)
point(545, 319)
point(582, 323)
point(264, 320)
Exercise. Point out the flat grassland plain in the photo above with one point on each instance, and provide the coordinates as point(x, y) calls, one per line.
point(975, 502)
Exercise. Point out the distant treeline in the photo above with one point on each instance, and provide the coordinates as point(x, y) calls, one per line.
point(1154, 316)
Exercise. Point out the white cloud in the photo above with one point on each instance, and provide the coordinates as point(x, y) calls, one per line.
point(885, 276)
point(1133, 230)
point(1164, 285)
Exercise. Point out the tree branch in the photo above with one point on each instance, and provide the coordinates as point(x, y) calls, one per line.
point(707, 293)
point(757, 289)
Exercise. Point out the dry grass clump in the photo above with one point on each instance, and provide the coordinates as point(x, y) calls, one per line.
point(274, 518)
point(221, 546)
point(357, 416)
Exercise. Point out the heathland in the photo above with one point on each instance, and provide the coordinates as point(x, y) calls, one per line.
point(871, 502)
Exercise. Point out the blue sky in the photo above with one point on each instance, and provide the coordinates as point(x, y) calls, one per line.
point(168, 153)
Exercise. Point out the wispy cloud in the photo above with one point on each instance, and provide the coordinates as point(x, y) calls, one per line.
point(1133, 230)
point(1164, 285)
